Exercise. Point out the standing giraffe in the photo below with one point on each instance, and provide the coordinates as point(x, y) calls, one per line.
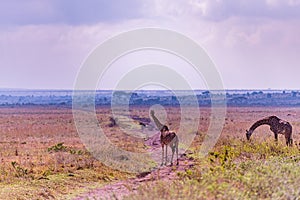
point(167, 138)
point(277, 126)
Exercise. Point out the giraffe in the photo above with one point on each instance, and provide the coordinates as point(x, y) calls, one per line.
point(167, 138)
point(277, 126)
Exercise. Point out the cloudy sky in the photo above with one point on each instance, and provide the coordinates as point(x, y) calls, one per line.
point(255, 44)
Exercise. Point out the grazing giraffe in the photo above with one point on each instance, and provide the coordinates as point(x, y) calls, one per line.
point(277, 126)
point(167, 138)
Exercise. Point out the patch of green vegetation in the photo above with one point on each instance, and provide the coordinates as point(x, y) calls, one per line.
point(78, 152)
point(58, 147)
point(241, 170)
point(19, 170)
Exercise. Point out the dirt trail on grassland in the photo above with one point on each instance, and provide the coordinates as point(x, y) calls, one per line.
point(121, 189)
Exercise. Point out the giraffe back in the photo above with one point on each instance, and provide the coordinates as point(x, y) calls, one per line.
point(167, 137)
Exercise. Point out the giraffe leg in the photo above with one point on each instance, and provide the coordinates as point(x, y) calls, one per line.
point(176, 146)
point(289, 141)
point(276, 137)
point(173, 151)
point(162, 158)
point(166, 155)
point(290, 136)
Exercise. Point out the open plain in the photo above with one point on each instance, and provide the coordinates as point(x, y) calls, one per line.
point(43, 157)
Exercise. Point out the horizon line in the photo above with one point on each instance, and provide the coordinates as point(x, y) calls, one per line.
point(198, 89)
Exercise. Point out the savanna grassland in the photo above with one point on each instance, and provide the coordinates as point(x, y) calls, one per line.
point(42, 157)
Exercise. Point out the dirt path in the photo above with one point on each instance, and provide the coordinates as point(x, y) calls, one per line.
point(123, 188)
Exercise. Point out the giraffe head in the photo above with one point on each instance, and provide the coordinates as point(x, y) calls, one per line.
point(164, 129)
point(248, 134)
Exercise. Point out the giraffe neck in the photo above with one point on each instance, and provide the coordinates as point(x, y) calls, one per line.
point(259, 123)
point(158, 124)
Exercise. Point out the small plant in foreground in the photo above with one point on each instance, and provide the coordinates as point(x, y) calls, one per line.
point(58, 147)
point(19, 171)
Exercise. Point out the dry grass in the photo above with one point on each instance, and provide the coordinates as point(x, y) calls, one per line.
point(43, 157)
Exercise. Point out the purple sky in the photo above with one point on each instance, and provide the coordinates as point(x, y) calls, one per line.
point(255, 44)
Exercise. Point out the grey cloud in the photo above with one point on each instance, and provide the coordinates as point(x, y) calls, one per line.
point(223, 9)
point(92, 11)
point(71, 12)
